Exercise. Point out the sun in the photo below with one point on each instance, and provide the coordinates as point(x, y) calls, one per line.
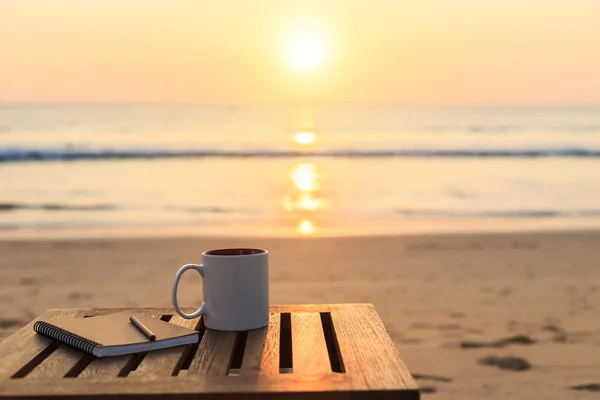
point(305, 50)
point(305, 138)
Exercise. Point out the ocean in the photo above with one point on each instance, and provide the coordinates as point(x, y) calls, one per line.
point(96, 170)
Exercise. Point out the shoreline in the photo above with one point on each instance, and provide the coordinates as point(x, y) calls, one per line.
point(355, 229)
point(137, 235)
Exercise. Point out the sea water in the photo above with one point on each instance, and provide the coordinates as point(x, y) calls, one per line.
point(76, 170)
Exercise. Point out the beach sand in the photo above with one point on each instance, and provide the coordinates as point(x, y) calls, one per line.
point(446, 300)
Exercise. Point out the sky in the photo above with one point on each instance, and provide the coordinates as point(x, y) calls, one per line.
point(440, 52)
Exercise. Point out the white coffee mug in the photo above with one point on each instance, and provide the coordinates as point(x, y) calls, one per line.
point(236, 289)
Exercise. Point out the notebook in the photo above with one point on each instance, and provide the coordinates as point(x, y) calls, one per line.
point(114, 335)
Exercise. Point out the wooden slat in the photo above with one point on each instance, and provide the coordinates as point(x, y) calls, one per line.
point(150, 311)
point(330, 386)
point(262, 349)
point(213, 357)
point(24, 345)
point(309, 307)
point(108, 367)
point(309, 350)
point(61, 361)
point(163, 362)
point(367, 350)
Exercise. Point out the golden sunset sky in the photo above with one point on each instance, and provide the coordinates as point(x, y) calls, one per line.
point(277, 52)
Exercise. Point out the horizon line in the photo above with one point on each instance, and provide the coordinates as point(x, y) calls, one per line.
point(317, 104)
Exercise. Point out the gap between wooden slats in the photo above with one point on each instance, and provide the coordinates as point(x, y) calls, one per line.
point(57, 364)
point(22, 352)
point(262, 349)
point(213, 357)
point(367, 350)
point(167, 362)
point(333, 348)
point(309, 350)
point(285, 343)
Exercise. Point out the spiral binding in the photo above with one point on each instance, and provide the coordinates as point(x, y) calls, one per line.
point(66, 337)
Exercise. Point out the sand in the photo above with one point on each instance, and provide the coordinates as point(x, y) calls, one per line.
point(438, 295)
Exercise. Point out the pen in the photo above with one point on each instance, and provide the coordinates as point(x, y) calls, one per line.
point(142, 328)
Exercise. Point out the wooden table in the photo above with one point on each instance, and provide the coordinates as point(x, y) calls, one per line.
point(334, 351)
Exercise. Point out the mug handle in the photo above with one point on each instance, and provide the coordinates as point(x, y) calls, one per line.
point(178, 275)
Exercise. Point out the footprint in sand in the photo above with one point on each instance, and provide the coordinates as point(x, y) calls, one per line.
point(79, 296)
point(27, 280)
point(421, 325)
point(435, 378)
point(428, 389)
point(591, 387)
point(9, 323)
point(518, 339)
point(507, 363)
point(432, 378)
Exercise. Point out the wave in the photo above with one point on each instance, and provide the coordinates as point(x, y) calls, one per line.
point(55, 207)
point(8, 155)
point(423, 213)
point(210, 210)
point(8, 207)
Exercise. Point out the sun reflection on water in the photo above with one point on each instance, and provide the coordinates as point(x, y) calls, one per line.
point(305, 177)
point(306, 227)
point(307, 202)
point(303, 200)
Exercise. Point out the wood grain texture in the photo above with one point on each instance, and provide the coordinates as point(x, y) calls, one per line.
point(150, 311)
point(57, 364)
point(373, 367)
point(108, 367)
point(309, 350)
point(162, 363)
point(214, 354)
point(330, 386)
point(262, 349)
point(368, 352)
point(24, 345)
point(308, 308)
